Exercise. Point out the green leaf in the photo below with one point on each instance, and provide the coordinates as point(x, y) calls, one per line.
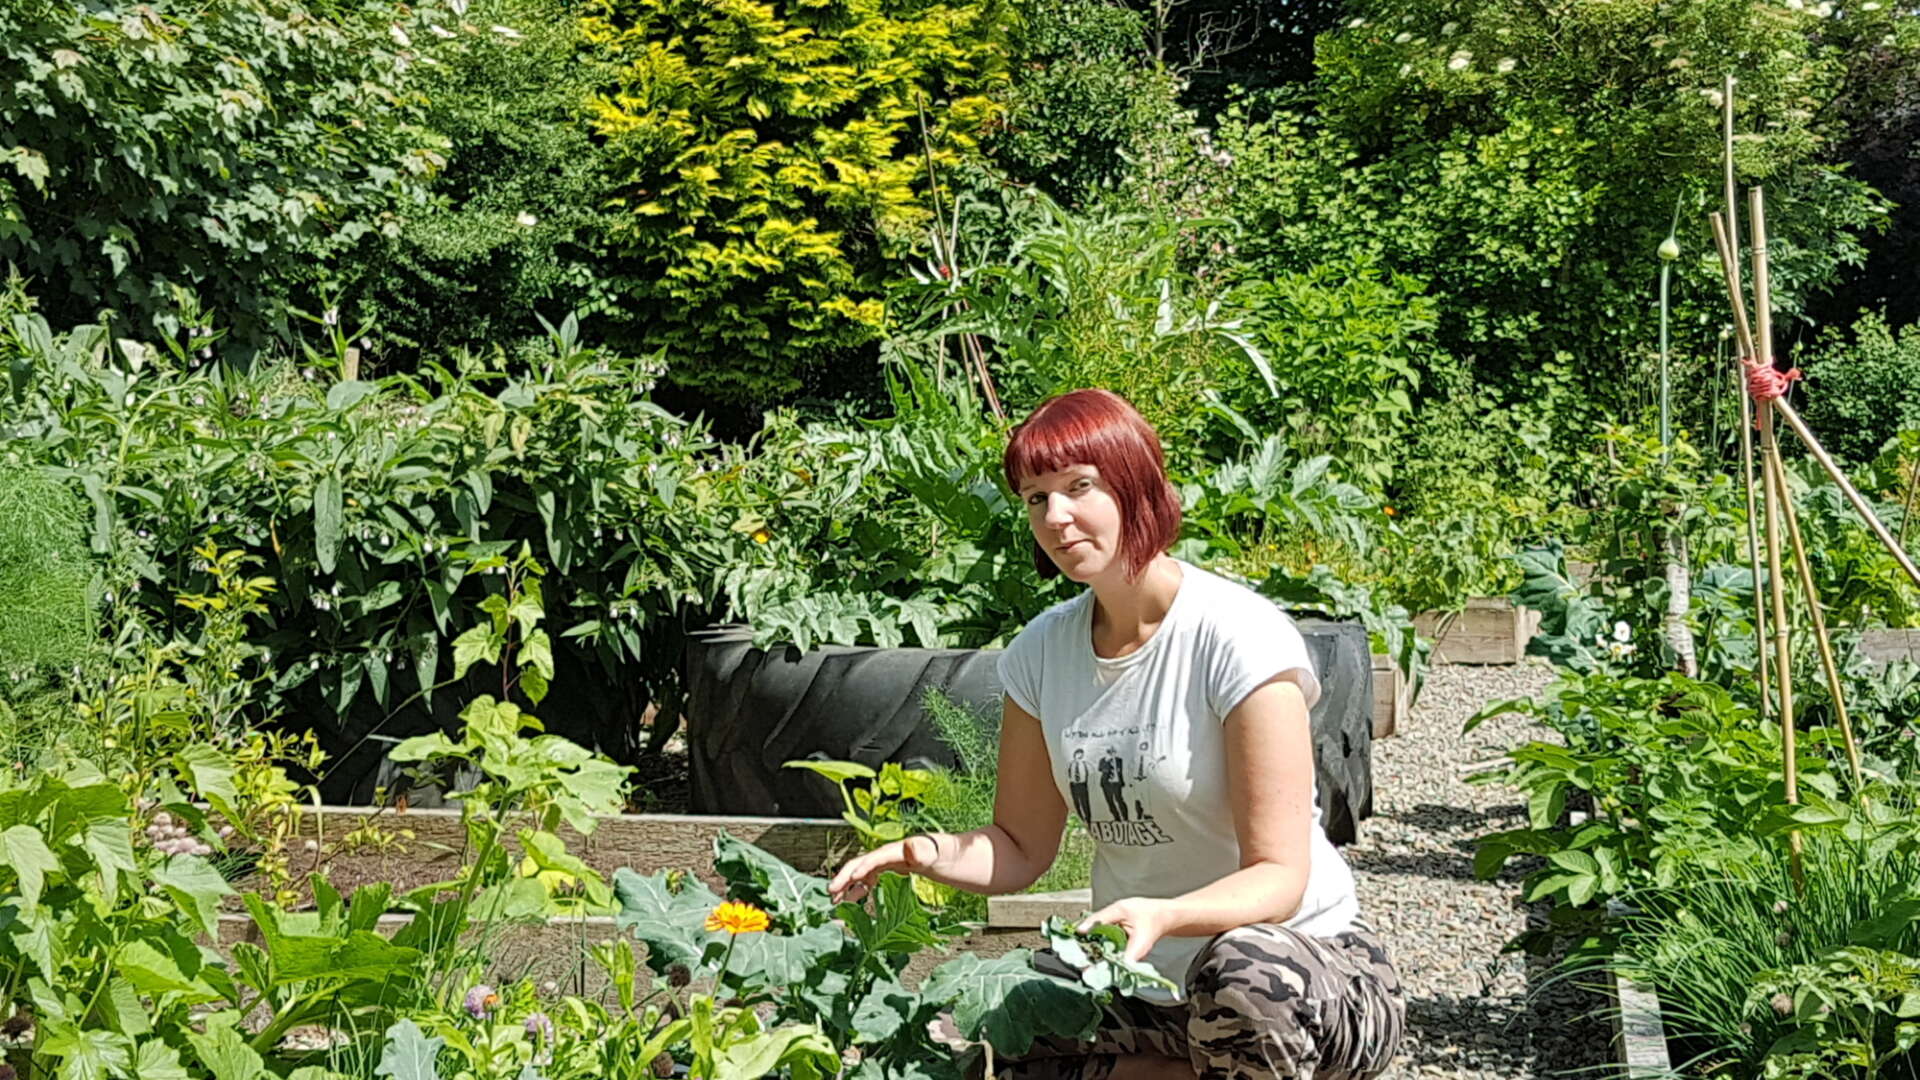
point(409, 1054)
point(93, 1054)
point(673, 925)
point(344, 395)
point(196, 886)
point(122, 1010)
point(803, 1049)
point(211, 773)
point(326, 521)
point(23, 851)
point(224, 1053)
point(478, 643)
point(786, 893)
point(154, 972)
point(1009, 1003)
point(110, 845)
point(155, 1060)
point(1545, 803)
point(880, 1014)
point(780, 960)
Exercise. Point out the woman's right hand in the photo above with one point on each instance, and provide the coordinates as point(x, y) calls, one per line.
point(854, 882)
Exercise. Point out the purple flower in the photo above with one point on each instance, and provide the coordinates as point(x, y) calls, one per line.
point(481, 1001)
point(540, 1027)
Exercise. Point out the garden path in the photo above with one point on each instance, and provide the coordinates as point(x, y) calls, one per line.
point(1473, 1013)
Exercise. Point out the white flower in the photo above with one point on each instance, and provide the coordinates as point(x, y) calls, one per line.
point(439, 31)
point(506, 31)
point(1459, 61)
point(1797, 5)
point(1622, 632)
point(331, 316)
point(399, 36)
point(1402, 37)
point(1405, 68)
point(1824, 10)
point(1356, 24)
point(1506, 64)
point(526, 218)
point(1869, 6)
point(1448, 29)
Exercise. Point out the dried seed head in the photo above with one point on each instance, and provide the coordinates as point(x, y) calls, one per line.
point(1782, 1004)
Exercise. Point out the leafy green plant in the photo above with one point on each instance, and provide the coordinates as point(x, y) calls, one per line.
point(877, 804)
point(1098, 955)
point(1858, 385)
point(1678, 773)
point(837, 968)
point(766, 163)
point(292, 130)
point(46, 576)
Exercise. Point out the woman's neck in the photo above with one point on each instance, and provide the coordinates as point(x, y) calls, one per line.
point(1126, 613)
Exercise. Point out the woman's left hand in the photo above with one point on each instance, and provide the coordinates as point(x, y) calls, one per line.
point(1146, 921)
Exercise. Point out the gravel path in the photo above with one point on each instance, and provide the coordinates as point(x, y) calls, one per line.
point(1472, 1012)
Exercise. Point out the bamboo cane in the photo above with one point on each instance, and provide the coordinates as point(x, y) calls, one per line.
point(1828, 667)
point(1770, 458)
point(1839, 478)
point(1743, 341)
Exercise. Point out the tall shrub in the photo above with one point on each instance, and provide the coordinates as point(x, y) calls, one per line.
point(227, 149)
point(768, 168)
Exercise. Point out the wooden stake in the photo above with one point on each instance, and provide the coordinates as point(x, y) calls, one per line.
point(1770, 465)
point(1743, 341)
point(1828, 667)
point(1834, 473)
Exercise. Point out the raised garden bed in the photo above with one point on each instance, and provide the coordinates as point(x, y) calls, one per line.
point(1489, 630)
point(750, 711)
point(1392, 697)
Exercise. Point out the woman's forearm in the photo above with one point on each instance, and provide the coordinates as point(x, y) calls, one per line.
point(986, 861)
point(1266, 892)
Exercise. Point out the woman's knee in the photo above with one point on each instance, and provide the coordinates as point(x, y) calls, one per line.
point(1268, 1000)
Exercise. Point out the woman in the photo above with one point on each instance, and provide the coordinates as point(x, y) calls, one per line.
point(1184, 697)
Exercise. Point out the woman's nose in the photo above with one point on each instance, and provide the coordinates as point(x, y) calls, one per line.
point(1057, 511)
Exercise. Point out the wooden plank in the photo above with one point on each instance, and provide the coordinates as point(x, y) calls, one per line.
point(1026, 911)
point(1639, 1035)
point(1392, 697)
point(1886, 646)
point(1488, 630)
point(419, 847)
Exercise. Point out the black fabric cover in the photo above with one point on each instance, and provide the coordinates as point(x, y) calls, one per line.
point(749, 711)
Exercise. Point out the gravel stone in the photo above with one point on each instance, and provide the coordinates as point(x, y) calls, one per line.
point(1472, 1012)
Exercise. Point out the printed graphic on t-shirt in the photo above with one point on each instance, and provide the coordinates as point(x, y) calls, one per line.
point(1118, 814)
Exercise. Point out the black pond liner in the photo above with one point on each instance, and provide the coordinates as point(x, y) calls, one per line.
point(749, 711)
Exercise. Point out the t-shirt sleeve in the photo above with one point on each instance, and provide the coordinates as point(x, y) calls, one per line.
point(1253, 645)
point(1019, 669)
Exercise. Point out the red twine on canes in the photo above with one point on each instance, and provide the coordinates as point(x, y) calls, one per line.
point(1765, 384)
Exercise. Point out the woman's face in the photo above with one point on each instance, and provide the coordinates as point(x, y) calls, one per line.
point(1075, 520)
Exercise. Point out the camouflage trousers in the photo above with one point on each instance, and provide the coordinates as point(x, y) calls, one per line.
point(1263, 1001)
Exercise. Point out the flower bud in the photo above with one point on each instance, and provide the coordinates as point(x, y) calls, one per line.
point(1669, 249)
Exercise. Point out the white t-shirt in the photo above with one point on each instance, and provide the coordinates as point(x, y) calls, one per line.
point(1139, 745)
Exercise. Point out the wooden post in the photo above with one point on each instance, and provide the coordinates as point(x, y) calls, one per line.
point(1743, 340)
point(1770, 465)
point(1828, 667)
point(350, 369)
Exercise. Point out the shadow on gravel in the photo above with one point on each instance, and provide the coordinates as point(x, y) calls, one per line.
point(1436, 818)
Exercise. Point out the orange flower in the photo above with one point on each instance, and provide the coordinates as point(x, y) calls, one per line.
point(737, 918)
point(1389, 511)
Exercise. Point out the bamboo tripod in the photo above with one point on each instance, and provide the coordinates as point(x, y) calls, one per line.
point(1766, 387)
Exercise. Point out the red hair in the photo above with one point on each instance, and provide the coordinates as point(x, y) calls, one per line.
point(1100, 428)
